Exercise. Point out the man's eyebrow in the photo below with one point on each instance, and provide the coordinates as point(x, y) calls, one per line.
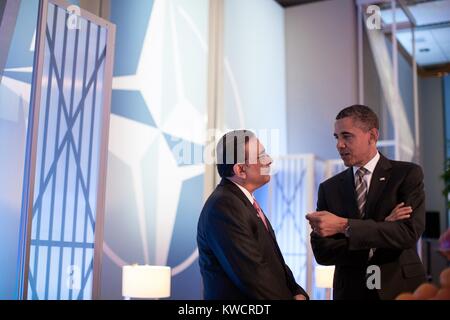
point(342, 133)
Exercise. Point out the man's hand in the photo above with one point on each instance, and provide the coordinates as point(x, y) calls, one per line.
point(326, 224)
point(299, 297)
point(400, 212)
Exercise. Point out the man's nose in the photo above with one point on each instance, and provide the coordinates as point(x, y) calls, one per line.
point(267, 160)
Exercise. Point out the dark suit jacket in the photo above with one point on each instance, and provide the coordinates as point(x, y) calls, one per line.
point(395, 242)
point(238, 257)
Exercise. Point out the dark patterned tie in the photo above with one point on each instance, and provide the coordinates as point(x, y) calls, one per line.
point(260, 213)
point(361, 190)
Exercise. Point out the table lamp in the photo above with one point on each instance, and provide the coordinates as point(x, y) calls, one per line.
point(144, 281)
point(324, 279)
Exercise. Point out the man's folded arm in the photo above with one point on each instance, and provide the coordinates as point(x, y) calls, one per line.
point(400, 234)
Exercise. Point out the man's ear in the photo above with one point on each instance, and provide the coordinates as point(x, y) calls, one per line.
point(374, 134)
point(239, 171)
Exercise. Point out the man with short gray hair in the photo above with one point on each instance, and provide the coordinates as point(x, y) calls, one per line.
point(238, 253)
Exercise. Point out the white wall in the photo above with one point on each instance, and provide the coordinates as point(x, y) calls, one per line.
point(254, 74)
point(321, 59)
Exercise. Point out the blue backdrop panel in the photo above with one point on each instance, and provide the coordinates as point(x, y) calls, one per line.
point(15, 88)
point(158, 125)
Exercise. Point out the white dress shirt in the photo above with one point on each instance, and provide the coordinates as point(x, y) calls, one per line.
point(245, 191)
point(370, 166)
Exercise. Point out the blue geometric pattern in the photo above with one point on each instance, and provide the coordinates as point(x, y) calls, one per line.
point(131, 105)
point(70, 123)
point(21, 76)
point(130, 48)
point(158, 124)
point(20, 51)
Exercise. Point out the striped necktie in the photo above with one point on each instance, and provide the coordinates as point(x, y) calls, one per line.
point(361, 190)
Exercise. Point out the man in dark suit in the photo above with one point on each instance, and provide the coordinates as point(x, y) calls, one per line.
point(238, 254)
point(370, 216)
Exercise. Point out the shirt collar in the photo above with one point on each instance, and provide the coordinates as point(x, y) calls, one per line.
point(245, 191)
point(370, 166)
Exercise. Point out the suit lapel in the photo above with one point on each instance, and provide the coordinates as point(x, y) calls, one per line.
point(233, 188)
point(271, 231)
point(348, 194)
point(378, 182)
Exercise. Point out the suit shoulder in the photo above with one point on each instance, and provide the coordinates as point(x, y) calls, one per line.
point(222, 193)
point(220, 198)
point(406, 166)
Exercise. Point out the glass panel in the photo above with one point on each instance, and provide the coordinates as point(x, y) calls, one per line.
point(68, 150)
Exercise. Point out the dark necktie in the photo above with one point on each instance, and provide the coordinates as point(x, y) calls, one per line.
point(260, 213)
point(361, 190)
